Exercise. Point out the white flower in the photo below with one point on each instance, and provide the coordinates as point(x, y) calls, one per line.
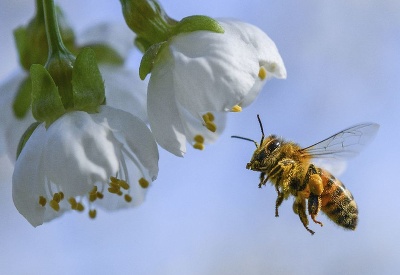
point(118, 79)
point(83, 161)
point(201, 73)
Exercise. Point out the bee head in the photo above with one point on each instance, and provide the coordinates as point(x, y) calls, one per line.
point(262, 156)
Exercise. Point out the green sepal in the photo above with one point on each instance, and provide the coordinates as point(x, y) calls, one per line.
point(25, 137)
point(106, 55)
point(22, 101)
point(197, 23)
point(148, 59)
point(46, 102)
point(87, 83)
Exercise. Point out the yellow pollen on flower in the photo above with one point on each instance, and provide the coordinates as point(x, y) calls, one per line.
point(93, 194)
point(56, 197)
point(207, 117)
point(42, 201)
point(92, 213)
point(73, 203)
point(127, 198)
point(236, 109)
point(143, 183)
point(54, 204)
point(124, 184)
point(113, 190)
point(198, 146)
point(80, 207)
point(99, 195)
point(262, 73)
point(211, 126)
point(61, 195)
point(199, 139)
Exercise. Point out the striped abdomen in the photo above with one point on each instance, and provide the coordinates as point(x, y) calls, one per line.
point(337, 202)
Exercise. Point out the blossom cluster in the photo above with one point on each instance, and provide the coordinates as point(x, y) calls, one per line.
point(105, 154)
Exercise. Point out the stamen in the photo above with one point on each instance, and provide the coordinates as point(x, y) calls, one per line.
point(113, 190)
point(211, 126)
point(208, 117)
point(73, 203)
point(199, 139)
point(124, 184)
point(262, 73)
point(80, 207)
point(143, 183)
point(128, 198)
point(61, 195)
point(93, 194)
point(99, 195)
point(236, 109)
point(92, 213)
point(198, 146)
point(54, 204)
point(42, 201)
point(57, 197)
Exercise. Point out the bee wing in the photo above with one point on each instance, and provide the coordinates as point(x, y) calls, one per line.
point(344, 144)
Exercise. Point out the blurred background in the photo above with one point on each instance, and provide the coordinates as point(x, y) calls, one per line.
point(205, 214)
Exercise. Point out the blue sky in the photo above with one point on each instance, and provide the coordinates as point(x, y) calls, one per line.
point(205, 214)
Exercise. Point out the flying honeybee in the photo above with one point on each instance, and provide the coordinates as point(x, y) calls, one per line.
point(289, 168)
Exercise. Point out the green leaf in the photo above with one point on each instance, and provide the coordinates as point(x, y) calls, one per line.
point(148, 59)
point(46, 102)
point(106, 54)
point(87, 83)
point(198, 23)
point(22, 101)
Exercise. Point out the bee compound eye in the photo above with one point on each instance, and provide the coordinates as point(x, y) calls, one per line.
point(273, 145)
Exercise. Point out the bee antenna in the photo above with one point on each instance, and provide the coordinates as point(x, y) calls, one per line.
point(248, 139)
point(262, 129)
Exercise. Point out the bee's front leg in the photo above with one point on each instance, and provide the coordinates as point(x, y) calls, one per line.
point(263, 179)
point(279, 200)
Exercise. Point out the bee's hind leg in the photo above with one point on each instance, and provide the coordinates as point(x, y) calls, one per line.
point(299, 207)
point(314, 205)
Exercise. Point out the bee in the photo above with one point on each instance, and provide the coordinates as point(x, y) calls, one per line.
point(290, 169)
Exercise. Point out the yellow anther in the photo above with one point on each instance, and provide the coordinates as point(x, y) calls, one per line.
point(262, 73)
point(92, 213)
point(128, 198)
point(124, 184)
point(61, 195)
point(54, 204)
point(143, 183)
point(199, 139)
point(73, 203)
point(119, 193)
point(92, 197)
point(94, 190)
point(114, 179)
point(208, 117)
point(198, 146)
point(42, 201)
point(113, 190)
point(114, 184)
point(99, 195)
point(211, 126)
point(236, 109)
point(56, 197)
point(80, 207)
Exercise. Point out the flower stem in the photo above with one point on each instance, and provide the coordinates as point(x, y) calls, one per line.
point(55, 42)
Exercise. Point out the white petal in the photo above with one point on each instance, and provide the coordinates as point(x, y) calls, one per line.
point(115, 35)
point(212, 72)
point(28, 179)
point(163, 112)
point(76, 143)
point(267, 52)
point(125, 90)
point(134, 134)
